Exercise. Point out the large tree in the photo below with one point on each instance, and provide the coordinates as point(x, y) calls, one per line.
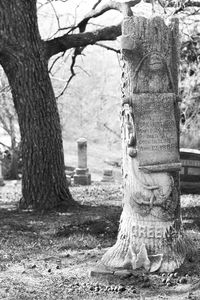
point(24, 57)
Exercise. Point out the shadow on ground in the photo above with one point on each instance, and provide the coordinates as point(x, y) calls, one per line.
point(49, 256)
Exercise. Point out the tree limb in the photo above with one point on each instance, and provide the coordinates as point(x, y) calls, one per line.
point(67, 41)
point(72, 73)
point(111, 130)
point(4, 145)
point(70, 41)
point(108, 48)
point(124, 8)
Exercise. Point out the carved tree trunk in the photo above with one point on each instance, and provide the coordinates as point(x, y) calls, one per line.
point(150, 233)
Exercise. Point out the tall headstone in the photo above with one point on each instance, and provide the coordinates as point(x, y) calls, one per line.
point(82, 175)
point(150, 233)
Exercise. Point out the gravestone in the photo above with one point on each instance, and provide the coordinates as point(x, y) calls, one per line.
point(108, 175)
point(82, 175)
point(150, 233)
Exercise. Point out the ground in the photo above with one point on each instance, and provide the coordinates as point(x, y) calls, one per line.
point(51, 256)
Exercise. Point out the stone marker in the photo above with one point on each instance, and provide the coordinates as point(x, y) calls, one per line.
point(150, 233)
point(108, 175)
point(1, 175)
point(82, 175)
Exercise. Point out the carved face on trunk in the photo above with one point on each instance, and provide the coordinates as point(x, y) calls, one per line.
point(155, 62)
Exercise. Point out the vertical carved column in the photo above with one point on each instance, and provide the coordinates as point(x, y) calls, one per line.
point(150, 233)
point(82, 175)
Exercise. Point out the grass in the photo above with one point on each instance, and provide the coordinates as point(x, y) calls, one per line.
point(49, 256)
point(32, 247)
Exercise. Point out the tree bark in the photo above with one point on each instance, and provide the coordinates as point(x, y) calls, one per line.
point(22, 55)
point(150, 233)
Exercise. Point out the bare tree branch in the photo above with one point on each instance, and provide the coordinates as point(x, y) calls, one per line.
point(96, 4)
point(55, 60)
point(111, 130)
point(124, 8)
point(5, 88)
point(81, 40)
point(4, 145)
point(72, 73)
point(66, 41)
point(55, 13)
point(108, 48)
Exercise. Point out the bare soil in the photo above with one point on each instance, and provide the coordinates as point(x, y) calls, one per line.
point(50, 256)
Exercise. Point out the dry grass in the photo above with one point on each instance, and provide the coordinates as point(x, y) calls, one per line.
point(49, 256)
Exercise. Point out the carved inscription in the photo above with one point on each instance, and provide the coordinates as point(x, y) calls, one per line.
point(147, 231)
point(157, 141)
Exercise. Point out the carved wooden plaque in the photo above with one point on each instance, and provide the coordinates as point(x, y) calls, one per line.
point(156, 134)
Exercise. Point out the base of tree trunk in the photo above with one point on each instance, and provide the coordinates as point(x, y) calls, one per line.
point(145, 246)
point(62, 202)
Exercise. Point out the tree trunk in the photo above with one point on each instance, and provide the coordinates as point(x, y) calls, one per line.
point(13, 170)
point(150, 233)
point(22, 56)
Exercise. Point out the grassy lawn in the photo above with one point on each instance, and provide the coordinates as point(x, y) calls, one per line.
point(50, 256)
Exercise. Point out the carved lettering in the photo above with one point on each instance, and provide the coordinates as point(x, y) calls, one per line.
point(157, 141)
point(147, 231)
point(142, 231)
point(158, 233)
point(134, 230)
point(150, 231)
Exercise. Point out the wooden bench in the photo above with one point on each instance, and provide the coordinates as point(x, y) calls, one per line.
point(190, 172)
